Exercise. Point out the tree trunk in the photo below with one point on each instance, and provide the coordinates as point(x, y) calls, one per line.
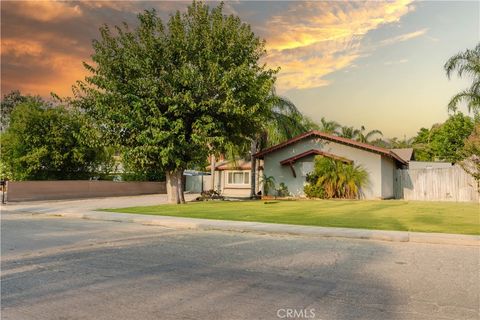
point(172, 193)
point(253, 170)
point(257, 177)
point(175, 192)
point(180, 191)
point(212, 170)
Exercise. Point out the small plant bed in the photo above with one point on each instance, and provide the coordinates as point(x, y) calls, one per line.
point(443, 217)
point(210, 195)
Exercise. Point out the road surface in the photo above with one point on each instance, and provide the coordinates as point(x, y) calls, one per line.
point(59, 268)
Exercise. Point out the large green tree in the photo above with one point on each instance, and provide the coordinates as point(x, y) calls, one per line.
point(466, 63)
point(9, 102)
point(449, 138)
point(46, 142)
point(173, 93)
point(443, 142)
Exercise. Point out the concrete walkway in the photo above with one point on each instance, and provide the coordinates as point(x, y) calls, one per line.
point(85, 209)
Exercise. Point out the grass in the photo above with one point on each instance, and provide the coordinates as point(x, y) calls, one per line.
point(443, 217)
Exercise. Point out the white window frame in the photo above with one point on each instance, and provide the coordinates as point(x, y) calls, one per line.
point(229, 178)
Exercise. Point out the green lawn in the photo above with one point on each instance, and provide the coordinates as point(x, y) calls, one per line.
point(442, 217)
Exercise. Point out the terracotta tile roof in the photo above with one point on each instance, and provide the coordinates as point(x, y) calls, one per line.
point(326, 136)
point(313, 152)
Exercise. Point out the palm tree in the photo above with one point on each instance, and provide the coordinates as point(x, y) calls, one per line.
point(466, 63)
point(365, 137)
point(337, 179)
point(398, 144)
point(349, 132)
point(285, 122)
point(268, 184)
point(329, 126)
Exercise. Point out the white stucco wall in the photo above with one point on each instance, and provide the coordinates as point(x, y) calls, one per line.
point(388, 178)
point(372, 162)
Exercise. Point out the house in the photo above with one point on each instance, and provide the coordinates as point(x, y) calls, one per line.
point(232, 178)
point(290, 162)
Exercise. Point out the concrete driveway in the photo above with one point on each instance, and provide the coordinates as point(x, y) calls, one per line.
point(83, 205)
point(57, 268)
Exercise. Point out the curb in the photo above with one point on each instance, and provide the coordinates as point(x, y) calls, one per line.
point(271, 228)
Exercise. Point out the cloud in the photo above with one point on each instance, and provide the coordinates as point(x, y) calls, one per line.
point(404, 37)
point(44, 42)
point(313, 39)
point(389, 63)
point(47, 10)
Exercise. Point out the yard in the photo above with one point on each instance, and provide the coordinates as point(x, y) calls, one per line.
point(443, 217)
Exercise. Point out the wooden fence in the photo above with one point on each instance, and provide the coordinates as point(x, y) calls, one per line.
point(446, 184)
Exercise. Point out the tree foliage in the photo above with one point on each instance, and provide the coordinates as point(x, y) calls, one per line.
point(443, 142)
point(335, 179)
point(466, 63)
point(284, 122)
point(10, 101)
point(46, 142)
point(330, 127)
point(471, 155)
point(173, 93)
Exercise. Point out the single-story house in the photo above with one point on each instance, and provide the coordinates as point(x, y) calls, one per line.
point(231, 178)
point(290, 162)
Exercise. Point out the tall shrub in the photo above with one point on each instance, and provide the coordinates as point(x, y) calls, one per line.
point(45, 142)
point(335, 179)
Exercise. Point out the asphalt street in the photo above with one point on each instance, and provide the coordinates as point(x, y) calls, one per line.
point(59, 268)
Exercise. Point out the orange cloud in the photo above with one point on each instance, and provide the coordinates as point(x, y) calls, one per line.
point(49, 10)
point(32, 67)
point(44, 42)
point(314, 39)
point(18, 48)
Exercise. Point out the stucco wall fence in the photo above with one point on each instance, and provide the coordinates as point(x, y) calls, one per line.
point(78, 189)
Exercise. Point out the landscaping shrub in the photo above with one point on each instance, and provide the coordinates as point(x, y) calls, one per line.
point(335, 179)
point(210, 195)
point(268, 184)
point(314, 191)
point(282, 190)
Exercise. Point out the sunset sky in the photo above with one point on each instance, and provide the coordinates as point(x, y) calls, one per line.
point(378, 64)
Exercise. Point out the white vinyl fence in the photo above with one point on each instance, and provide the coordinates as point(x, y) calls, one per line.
point(446, 184)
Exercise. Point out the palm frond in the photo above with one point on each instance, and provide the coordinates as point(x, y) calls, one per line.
point(471, 98)
point(464, 62)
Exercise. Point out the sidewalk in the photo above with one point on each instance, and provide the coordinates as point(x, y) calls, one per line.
point(84, 209)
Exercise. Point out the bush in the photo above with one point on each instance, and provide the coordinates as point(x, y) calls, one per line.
point(210, 195)
point(314, 191)
point(335, 179)
point(268, 184)
point(282, 190)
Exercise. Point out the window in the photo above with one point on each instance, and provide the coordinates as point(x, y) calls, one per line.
point(239, 177)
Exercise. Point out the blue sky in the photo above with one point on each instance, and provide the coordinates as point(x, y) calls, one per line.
point(399, 87)
point(378, 64)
